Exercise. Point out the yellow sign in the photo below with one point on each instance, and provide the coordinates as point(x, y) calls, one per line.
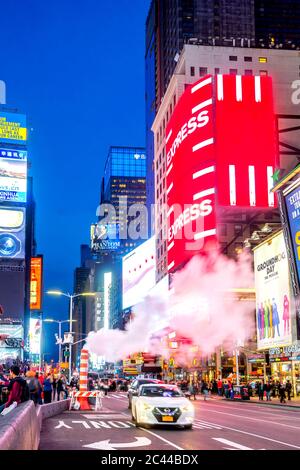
point(64, 365)
point(13, 127)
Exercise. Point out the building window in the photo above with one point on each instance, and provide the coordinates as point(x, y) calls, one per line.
point(263, 73)
point(192, 71)
point(262, 60)
point(217, 70)
point(233, 58)
point(248, 72)
point(233, 71)
point(223, 230)
point(202, 71)
point(238, 230)
point(238, 248)
point(248, 59)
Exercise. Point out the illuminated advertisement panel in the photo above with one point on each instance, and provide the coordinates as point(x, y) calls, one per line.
point(35, 328)
point(273, 294)
point(105, 237)
point(292, 203)
point(138, 269)
point(36, 279)
point(11, 348)
point(12, 232)
point(221, 148)
point(13, 175)
point(13, 128)
point(191, 174)
point(246, 141)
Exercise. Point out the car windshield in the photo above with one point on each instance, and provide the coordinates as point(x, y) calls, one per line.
point(161, 392)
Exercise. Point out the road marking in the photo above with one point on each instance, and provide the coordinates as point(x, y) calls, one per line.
point(162, 439)
point(231, 443)
point(104, 416)
point(107, 445)
point(205, 424)
point(254, 419)
point(261, 437)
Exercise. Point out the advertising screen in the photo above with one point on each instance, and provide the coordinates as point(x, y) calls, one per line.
point(138, 269)
point(13, 128)
point(191, 174)
point(105, 237)
point(12, 292)
point(273, 294)
point(36, 279)
point(35, 328)
point(292, 202)
point(12, 232)
point(13, 175)
point(221, 148)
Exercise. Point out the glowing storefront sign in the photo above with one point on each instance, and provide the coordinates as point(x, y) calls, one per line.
point(13, 128)
point(36, 272)
point(139, 273)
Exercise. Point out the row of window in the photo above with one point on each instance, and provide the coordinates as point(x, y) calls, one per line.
point(204, 71)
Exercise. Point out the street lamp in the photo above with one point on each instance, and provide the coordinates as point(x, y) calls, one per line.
point(51, 320)
point(71, 297)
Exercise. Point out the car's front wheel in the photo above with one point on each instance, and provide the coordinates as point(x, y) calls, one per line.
point(188, 426)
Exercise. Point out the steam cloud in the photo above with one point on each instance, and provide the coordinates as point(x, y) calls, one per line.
point(200, 307)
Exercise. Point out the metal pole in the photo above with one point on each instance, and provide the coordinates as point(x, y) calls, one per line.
point(59, 344)
point(70, 345)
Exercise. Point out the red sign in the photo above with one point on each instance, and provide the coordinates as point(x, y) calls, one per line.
point(36, 277)
point(221, 146)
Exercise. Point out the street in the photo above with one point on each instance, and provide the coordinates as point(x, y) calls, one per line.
point(219, 425)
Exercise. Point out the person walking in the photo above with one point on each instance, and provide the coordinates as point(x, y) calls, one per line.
point(288, 388)
point(47, 388)
point(282, 392)
point(54, 387)
point(33, 385)
point(192, 390)
point(261, 390)
point(220, 387)
point(17, 389)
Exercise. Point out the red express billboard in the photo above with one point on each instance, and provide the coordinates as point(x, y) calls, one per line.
point(221, 146)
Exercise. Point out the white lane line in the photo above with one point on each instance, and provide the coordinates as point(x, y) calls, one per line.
point(205, 423)
point(231, 443)
point(260, 437)
point(255, 419)
point(162, 439)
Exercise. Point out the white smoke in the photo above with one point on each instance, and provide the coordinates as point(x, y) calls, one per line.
point(200, 307)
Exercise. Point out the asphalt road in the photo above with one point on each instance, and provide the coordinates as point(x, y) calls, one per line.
point(219, 425)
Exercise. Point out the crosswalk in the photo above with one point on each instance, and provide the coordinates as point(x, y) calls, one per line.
point(200, 424)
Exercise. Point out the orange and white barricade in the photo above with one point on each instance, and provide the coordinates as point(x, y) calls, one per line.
point(85, 396)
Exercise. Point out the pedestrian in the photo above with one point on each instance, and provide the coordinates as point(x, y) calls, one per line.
point(268, 390)
point(47, 388)
point(33, 385)
point(192, 390)
point(18, 389)
point(205, 389)
point(288, 388)
point(230, 390)
point(282, 392)
point(226, 389)
point(54, 387)
point(220, 387)
point(261, 390)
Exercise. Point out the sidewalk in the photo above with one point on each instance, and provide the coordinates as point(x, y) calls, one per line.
point(293, 403)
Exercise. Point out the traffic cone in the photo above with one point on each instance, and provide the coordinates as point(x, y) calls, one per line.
point(83, 379)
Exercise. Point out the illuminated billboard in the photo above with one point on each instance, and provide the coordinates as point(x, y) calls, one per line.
point(11, 348)
point(12, 232)
point(105, 237)
point(274, 304)
point(35, 329)
point(36, 280)
point(221, 147)
point(139, 272)
point(13, 128)
point(13, 175)
point(292, 203)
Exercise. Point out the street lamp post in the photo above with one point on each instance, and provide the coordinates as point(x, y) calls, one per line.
point(71, 297)
point(59, 342)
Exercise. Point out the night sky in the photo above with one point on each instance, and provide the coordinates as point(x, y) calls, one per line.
point(77, 70)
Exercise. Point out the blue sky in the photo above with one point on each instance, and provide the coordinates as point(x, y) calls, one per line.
point(77, 70)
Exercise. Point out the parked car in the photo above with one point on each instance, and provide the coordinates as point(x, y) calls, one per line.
point(162, 404)
point(133, 389)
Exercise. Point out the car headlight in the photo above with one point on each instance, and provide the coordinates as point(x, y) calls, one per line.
point(146, 406)
point(188, 407)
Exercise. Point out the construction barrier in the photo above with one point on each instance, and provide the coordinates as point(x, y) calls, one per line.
point(85, 396)
point(83, 379)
